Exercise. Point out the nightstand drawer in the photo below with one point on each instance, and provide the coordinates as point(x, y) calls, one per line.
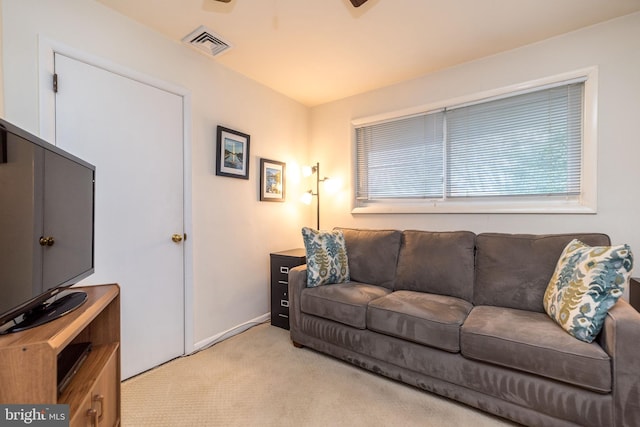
point(280, 319)
point(280, 296)
point(280, 267)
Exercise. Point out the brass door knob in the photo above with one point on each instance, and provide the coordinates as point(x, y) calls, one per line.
point(177, 238)
point(46, 241)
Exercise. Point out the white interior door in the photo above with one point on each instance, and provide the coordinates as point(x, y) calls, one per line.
point(133, 133)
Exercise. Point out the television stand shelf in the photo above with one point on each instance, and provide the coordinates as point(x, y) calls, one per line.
point(28, 361)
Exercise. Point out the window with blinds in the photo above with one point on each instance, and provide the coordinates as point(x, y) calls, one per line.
point(525, 146)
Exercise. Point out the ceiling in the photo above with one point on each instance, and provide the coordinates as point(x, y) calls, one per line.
point(317, 51)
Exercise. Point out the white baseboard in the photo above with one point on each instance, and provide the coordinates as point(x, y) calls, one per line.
point(201, 345)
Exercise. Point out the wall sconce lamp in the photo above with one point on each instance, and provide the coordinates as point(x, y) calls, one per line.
point(307, 197)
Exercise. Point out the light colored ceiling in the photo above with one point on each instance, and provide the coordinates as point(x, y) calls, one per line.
point(317, 51)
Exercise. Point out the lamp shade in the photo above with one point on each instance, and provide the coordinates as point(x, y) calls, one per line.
point(306, 198)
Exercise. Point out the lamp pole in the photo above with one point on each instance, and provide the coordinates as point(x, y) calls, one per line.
point(318, 195)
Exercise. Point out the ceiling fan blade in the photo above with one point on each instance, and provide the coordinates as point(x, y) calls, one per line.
point(358, 3)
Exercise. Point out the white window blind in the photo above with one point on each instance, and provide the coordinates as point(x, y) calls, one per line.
point(401, 158)
point(518, 146)
point(524, 145)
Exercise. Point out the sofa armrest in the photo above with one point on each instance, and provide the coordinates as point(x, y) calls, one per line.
point(297, 282)
point(620, 338)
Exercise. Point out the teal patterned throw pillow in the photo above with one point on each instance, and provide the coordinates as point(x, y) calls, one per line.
point(587, 282)
point(326, 257)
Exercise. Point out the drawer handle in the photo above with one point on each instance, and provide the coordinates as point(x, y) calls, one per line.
point(283, 315)
point(100, 400)
point(284, 270)
point(284, 303)
point(93, 414)
point(283, 282)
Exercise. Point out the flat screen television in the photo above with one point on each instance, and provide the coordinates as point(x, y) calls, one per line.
point(46, 229)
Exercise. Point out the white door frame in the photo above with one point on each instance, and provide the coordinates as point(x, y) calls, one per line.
point(47, 49)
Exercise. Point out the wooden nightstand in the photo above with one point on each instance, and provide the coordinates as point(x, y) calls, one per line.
point(281, 262)
point(634, 293)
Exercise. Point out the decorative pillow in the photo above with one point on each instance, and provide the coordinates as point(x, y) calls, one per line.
point(587, 282)
point(326, 257)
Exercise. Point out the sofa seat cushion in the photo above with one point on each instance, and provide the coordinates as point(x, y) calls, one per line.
point(532, 342)
point(344, 302)
point(429, 319)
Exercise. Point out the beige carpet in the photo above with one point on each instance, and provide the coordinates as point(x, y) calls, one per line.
point(257, 378)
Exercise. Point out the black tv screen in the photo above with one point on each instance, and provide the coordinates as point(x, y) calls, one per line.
point(46, 224)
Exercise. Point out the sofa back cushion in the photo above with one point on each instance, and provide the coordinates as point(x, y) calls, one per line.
point(373, 255)
point(437, 262)
point(513, 270)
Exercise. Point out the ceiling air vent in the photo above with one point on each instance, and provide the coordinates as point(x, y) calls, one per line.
point(206, 41)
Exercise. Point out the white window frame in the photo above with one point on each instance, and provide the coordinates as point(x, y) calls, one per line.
point(585, 203)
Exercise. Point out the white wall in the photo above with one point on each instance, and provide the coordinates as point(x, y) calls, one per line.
point(614, 47)
point(233, 232)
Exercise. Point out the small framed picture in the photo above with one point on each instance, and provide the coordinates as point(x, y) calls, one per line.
point(232, 153)
point(272, 181)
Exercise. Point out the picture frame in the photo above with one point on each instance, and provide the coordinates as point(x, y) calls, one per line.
point(272, 181)
point(232, 153)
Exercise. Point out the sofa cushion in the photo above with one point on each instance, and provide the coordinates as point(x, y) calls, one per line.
point(532, 342)
point(513, 270)
point(587, 282)
point(429, 319)
point(437, 262)
point(345, 303)
point(373, 255)
point(326, 253)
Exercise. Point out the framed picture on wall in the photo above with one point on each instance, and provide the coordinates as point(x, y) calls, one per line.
point(232, 153)
point(272, 181)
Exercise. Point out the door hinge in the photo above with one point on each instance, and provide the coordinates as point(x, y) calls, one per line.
point(55, 83)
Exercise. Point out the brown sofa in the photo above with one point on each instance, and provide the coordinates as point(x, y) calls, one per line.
point(461, 315)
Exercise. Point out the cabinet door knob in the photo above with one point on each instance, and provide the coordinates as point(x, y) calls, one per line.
point(46, 241)
point(177, 238)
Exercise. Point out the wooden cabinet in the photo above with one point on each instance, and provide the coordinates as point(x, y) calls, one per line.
point(281, 262)
point(28, 361)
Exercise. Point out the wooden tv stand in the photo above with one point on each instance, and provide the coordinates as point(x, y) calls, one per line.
point(28, 361)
